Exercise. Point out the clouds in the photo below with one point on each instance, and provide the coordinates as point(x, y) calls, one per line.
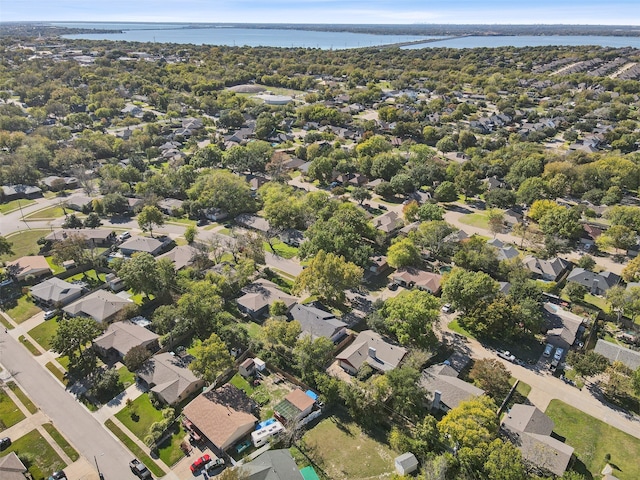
point(620, 12)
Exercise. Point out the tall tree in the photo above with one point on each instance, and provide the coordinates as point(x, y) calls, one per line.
point(210, 359)
point(471, 424)
point(403, 253)
point(74, 336)
point(492, 376)
point(410, 316)
point(149, 217)
point(5, 246)
point(466, 290)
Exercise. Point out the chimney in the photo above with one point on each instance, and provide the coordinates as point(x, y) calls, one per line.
point(437, 396)
point(372, 352)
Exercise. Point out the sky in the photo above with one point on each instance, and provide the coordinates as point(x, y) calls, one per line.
point(592, 12)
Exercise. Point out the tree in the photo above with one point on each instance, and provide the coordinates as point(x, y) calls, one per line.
point(312, 355)
point(224, 190)
point(210, 359)
point(5, 246)
point(467, 183)
point(632, 271)
point(72, 221)
point(430, 212)
point(471, 424)
point(278, 308)
point(587, 262)
point(476, 254)
point(431, 236)
point(201, 305)
point(409, 317)
point(140, 274)
point(466, 290)
point(266, 125)
point(575, 291)
point(190, 234)
point(587, 364)
point(92, 221)
point(636, 381)
point(135, 357)
point(496, 222)
point(446, 192)
point(149, 217)
point(492, 376)
point(74, 336)
point(360, 194)
point(279, 332)
point(115, 204)
point(531, 189)
point(328, 276)
point(618, 237)
point(71, 248)
point(500, 198)
point(540, 208)
point(564, 223)
point(403, 253)
point(504, 462)
point(405, 393)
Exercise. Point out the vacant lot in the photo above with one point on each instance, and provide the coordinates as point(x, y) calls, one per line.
point(41, 458)
point(593, 439)
point(344, 451)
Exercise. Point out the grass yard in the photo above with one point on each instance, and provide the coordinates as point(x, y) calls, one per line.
point(10, 414)
point(57, 373)
point(281, 249)
point(253, 329)
point(135, 449)
point(23, 310)
point(126, 377)
point(24, 243)
point(139, 416)
point(15, 205)
point(90, 276)
point(54, 266)
point(48, 213)
point(479, 220)
point(61, 441)
point(22, 397)
point(456, 327)
point(29, 346)
point(239, 381)
point(42, 459)
point(44, 333)
point(169, 451)
point(344, 451)
point(6, 323)
point(597, 302)
point(593, 439)
point(180, 221)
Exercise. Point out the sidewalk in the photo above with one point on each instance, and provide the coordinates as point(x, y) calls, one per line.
point(108, 410)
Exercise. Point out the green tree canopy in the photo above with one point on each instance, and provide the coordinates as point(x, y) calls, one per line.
point(149, 217)
point(210, 359)
point(410, 316)
point(403, 253)
point(466, 290)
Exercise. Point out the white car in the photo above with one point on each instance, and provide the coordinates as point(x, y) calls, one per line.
point(506, 355)
point(124, 236)
point(558, 355)
point(446, 308)
point(49, 314)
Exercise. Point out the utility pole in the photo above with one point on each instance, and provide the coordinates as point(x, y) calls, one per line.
point(98, 468)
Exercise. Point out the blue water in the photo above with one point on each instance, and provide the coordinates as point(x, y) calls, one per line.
point(532, 41)
point(253, 37)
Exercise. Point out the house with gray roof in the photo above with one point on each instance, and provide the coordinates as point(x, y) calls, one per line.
point(99, 305)
point(444, 390)
point(137, 244)
point(318, 323)
point(253, 222)
point(12, 468)
point(618, 353)
point(562, 326)
point(181, 256)
point(259, 295)
point(529, 429)
point(120, 337)
point(169, 377)
point(371, 348)
point(13, 192)
point(596, 283)
point(271, 465)
point(503, 251)
point(550, 270)
point(388, 222)
point(95, 237)
point(54, 291)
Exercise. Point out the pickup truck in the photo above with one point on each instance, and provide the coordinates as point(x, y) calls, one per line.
point(139, 469)
point(507, 355)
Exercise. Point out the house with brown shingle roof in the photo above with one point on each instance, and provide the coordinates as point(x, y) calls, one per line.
point(259, 295)
point(410, 277)
point(224, 415)
point(120, 337)
point(169, 377)
point(369, 347)
point(31, 265)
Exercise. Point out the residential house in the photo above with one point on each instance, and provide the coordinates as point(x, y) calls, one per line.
point(131, 109)
point(169, 205)
point(99, 305)
point(259, 295)
point(135, 204)
point(215, 214)
point(255, 181)
point(596, 283)
point(271, 465)
point(254, 222)
point(169, 377)
point(444, 390)
point(224, 415)
point(295, 406)
point(503, 251)
point(120, 337)
point(30, 266)
point(410, 277)
point(53, 292)
point(378, 265)
point(55, 183)
point(529, 429)
point(618, 353)
point(512, 216)
point(181, 256)
point(14, 192)
point(550, 270)
point(12, 468)
point(406, 464)
point(562, 326)
point(137, 244)
point(318, 323)
point(95, 237)
point(389, 222)
point(493, 183)
point(369, 347)
point(80, 202)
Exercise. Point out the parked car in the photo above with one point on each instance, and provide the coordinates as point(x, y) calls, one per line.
point(60, 475)
point(241, 447)
point(558, 355)
point(382, 207)
point(124, 235)
point(393, 286)
point(214, 464)
point(507, 355)
point(200, 463)
point(49, 314)
point(446, 308)
point(548, 348)
point(5, 443)
point(139, 469)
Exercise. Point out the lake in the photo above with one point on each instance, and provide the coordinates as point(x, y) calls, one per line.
point(253, 37)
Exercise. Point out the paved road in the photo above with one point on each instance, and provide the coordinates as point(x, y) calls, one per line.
point(70, 417)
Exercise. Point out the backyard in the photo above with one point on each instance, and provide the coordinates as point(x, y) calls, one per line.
point(593, 440)
point(338, 446)
point(36, 454)
point(271, 391)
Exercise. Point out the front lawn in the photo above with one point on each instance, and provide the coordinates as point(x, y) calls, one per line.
point(61, 441)
point(169, 451)
point(456, 327)
point(139, 416)
point(281, 249)
point(135, 449)
point(36, 454)
point(44, 333)
point(344, 451)
point(23, 309)
point(478, 220)
point(15, 205)
point(10, 414)
point(22, 397)
point(126, 377)
point(24, 243)
point(593, 439)
point(29, 346)
point(47, 213)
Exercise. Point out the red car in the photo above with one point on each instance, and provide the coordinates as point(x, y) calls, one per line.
point(199, 463)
